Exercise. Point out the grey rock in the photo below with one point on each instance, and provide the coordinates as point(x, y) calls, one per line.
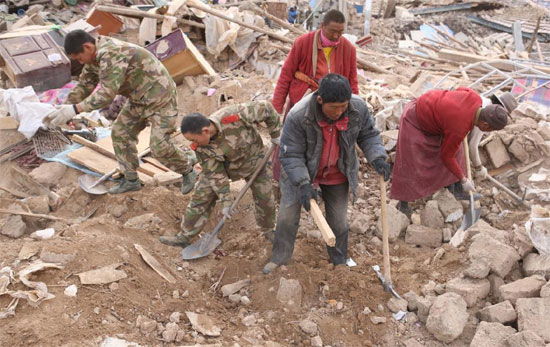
point(290, 293)
point(492, 335)
point(397, 223)
point(533, 315)
point(308, 327)
point(525, 338)
point(501, 256)
point(472, 290)
point(431, 217)
point(423, 236)
point(528, 287)
point(450, 208)
point(502, 313)
point(447, 317)
point(14, 227)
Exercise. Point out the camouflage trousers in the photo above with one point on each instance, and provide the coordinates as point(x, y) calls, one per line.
point(204, 199)
point(131, 120)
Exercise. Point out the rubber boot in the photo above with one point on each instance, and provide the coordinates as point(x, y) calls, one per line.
point(126, 186)
point(178, 240)
point(403, 206)
point(188, 181)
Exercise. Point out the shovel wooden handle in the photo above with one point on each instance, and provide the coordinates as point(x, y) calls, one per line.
point(322, 224)
point(385, 232)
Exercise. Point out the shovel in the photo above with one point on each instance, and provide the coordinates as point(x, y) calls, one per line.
point(210, 241)
point(472, 216)
point(386, 278)
point(87, 183)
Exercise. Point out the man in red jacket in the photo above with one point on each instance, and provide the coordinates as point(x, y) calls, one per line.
point(429, 152)
point(314, 55)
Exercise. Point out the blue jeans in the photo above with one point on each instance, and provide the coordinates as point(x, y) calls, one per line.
point(288, 220)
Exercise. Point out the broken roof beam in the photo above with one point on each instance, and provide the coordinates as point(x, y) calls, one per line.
point(446, 8)
point(133, 13)
point(507, 29)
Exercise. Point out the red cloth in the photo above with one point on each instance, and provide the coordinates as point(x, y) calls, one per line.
point(450, 113)
point(328, 172)
point(418, 170)
point(343, 60)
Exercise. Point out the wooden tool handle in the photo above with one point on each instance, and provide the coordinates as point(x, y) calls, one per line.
point(385, 236)
point(467, 155)
point(322, 224)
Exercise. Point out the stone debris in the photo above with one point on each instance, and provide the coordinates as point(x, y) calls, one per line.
point(203, 324)
point(501, 257)
point(492, 335)
point(472, 290)
point(502, 313)
point(13, 227)
point(545, 290)
point(431, 216)
point(528, 287)
point(316, 341)
point(423, 236)
point(378, 320)
point(447, 317)
point(232, 288)
point(49, 173)
point(533, 315)
point(497, 152)
point(479, 268)
point(412, 300)
point(146, 222)
point(424, 304)
point(525, 338)
point(395, 305)
point(397, 223)
point(169, 334)
point(536, 264)
point(451, 209)
point(146, 325)
point(308, 327)
point(290, 293)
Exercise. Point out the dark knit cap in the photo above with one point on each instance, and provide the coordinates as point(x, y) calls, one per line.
point(495, 115)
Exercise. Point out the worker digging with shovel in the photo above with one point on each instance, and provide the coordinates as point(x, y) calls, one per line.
point(318, 148)
point(429, 153)
point(229, 147)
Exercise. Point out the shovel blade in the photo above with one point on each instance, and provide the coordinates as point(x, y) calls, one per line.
point(87, 181)
point(203, 247)
point(468, 220)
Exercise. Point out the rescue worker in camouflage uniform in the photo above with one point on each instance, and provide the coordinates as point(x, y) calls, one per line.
point(229, 147)
point(132, 71)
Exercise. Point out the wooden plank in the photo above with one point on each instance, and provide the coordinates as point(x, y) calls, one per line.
point(92, 145)
point(8, 123)
point(167, 178)
point(322, 224)
point(29, 214)
point(149, 169)
point(205, 65)
point(154, 264)
point(107, 144)
point(155, 162)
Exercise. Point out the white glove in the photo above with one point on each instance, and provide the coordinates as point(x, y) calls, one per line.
point(276, 141)
point(468, 186)
point(60, 116)
point(481, 172)
point(227, 212)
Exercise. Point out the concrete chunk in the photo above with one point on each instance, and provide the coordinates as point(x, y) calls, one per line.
point(492, 335)
point(397, 223)
point(290, 293)
point(431, 216)
point(533, 315)
point(501, 256)
point(525, 339)
point(497, 152)
point(423, 236)
point(502, 313)
point(450, 208)
point(528, 287)
point(472, 290)
point(536, 264)
point(447, 317)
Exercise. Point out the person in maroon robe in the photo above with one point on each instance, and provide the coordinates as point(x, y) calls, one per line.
point(429, 152)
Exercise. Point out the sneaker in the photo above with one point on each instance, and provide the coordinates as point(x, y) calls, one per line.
point(177, 240)
point(125, 186)
point(188, 181)
point(269, 267)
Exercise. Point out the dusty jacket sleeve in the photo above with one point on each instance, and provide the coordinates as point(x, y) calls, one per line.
point(214, 175)
point(282, 88)
point(112, 71)
point(87, 82)
point(263, 111)
point(293, 151)
point(369, 139)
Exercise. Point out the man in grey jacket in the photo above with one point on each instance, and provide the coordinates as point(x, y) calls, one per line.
point(318, 149)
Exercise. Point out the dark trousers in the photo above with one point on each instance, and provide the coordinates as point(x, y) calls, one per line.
point(288, 220)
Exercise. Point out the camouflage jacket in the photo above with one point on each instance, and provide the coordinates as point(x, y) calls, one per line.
point(123, 69)
point(237, 147)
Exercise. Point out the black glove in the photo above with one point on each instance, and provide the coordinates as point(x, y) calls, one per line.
point(382, 168)
point(307, 193)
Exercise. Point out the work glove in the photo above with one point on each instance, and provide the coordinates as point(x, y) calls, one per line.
point(60, 116)
point(307, 193)
point(481, 172)
point(227, 212)
point(382, 168)
point(276, 141)
point(468, 186)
